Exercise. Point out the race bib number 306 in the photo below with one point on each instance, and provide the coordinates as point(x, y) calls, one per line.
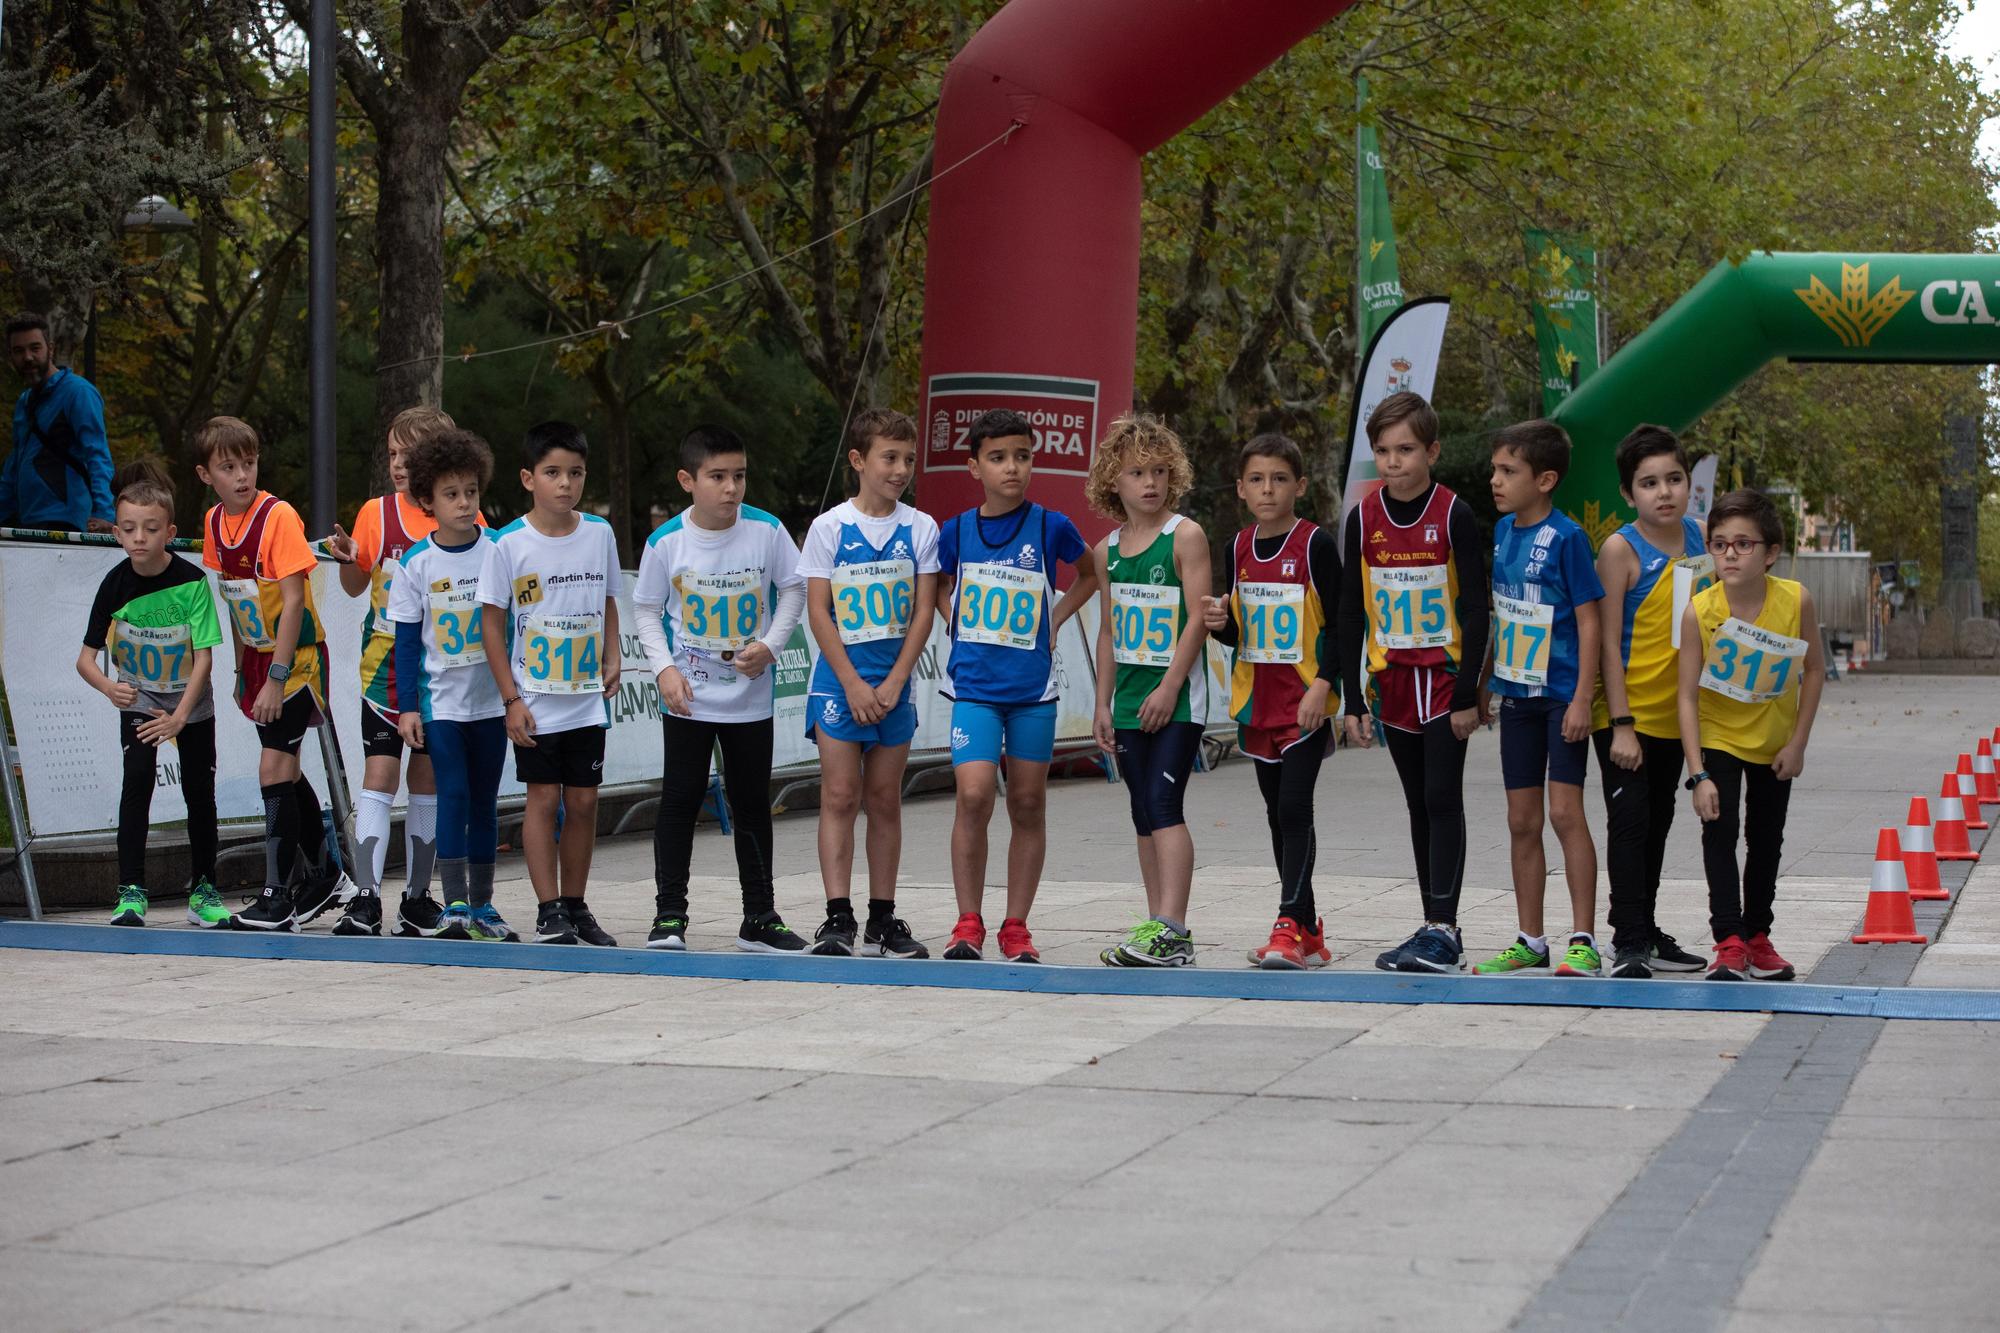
point(1751, 664)
point(561, 654)
point(1410, 608)
point(1274, 617)
point(1000, 605)
point(159, 659)
point(1522, 631)
point(720, 613)
point(874, 601)
point(1145, 624)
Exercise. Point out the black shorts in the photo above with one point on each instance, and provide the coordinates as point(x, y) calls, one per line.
point(380, 737)
point(573, 758)
point(299, 715)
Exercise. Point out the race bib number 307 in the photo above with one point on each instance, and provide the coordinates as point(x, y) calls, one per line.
point(1000, 605)
point(159, 659)
point(1751, 664)
point(561, 654)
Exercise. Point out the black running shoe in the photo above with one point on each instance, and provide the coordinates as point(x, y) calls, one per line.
point(362, 917)
point(321, 890)
point(421, 916)
point(1435, 949)
point(586, 928)
point(1668, 956)
point(669, 932)
point(552, 925)
point(835, 937)
point(768, 934)
point(270, 910)
point(890, 937)
point(1388, 958)
point(1633, 963)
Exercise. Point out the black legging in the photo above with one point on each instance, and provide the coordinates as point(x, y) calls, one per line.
point(1743, 906)
point(746, 778)
point(196, 746)
point(1287, 786)
point(1431, 764)
point(1638, 812)
point(1155, 766)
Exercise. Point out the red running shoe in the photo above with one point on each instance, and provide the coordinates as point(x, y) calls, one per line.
point(968, 937)
point(1765, 962)
point(1016, 944)
point(1732, 960)
point(1292, 947)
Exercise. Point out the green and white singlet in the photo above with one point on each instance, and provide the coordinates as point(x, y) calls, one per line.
point(1148, 608)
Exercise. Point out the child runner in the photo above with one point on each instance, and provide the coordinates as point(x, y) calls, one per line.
point(446, 698)
point(1415, 597)
point(1649, 568)
point(155, 619)
point(1543, 665)
point(718, 597)
point(870, 566)
point(1280, 586)
point(1750, 681)
point(998, 562)
point(1152, 674)
point(548, 595)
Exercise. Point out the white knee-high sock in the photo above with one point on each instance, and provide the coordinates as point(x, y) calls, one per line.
point(420, 823)
point(371, 837)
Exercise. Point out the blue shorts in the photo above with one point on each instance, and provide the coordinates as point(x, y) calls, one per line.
point(977, 730)
point(1532, 748)
point(827, 715)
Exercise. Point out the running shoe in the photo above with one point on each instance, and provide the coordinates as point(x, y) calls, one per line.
point(768, 934)
point(1388, 958)
point(669, 932)
point(968, 938)
point(1520, 956)
point(205, 907)
point(488, 924)
point(1668, 956)
point(456, 923)
point(1632, 963)
point(1016, 944)
point(1765, 962)
point(1110, 957)
point(319, 891)
point(586, 927)
point(1580, 959)
point(890, 937)
point(1732, 960)
point(420, 916)
point(271, 909)
point(552, 924)
point(835, 936)
point(1434, 949)
point(362, 917)
point(131, 906)
point(1284, 951)
point(1156, 944)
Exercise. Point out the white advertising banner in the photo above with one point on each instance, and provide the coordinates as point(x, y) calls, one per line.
point(1403, 355)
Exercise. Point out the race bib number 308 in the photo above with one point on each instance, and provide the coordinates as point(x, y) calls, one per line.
point(1751, 664)
point(1000, 605)
point(874, 601)
point(562, 654)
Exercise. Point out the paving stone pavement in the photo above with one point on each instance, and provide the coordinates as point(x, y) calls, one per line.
point(221, 1144)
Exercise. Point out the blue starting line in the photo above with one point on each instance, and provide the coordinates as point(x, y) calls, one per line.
point(1218, 983)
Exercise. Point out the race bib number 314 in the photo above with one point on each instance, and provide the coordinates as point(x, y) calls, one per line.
point(561, 654)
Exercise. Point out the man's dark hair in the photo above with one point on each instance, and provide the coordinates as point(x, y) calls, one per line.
point(1643, 443)
point(1757, 508)
point(1541, 443)
point(1404, 406)
point(1272, 445)
point(997, 423)
point(28, 323)
point(549, 435)
point(447, 453)
point(705, 442)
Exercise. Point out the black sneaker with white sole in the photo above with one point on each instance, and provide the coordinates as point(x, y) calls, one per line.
point(890, 937)
point(586, 927)
point(768, 934)
point(1632, 964)
point(270, 910)
point(1668, 956)
point(669, 932)
point(320, 891)
point(835, 936)
point(362, 917)
point(421, 916)
point(552, 924)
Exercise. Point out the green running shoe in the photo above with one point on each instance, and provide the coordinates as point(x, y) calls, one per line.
point(1516, 957)
point(131, 906)
point(205, 907)
point(1581, 959)
point(1155, 944)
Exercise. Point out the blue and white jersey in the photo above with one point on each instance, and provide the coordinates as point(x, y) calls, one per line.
point(872, 564)
point(1540, 576)
point(999, 617)
point(437, 589)
point(718, 590)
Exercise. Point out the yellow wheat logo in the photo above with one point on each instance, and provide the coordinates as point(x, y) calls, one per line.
point(1555, 267)
point(1374, 249)
point(1565, 361)
point(1856, 317)
point(1596, 524)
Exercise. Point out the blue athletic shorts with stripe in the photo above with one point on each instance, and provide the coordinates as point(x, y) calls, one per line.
point(978, 730)
point(1532, 748)
point(827, 715)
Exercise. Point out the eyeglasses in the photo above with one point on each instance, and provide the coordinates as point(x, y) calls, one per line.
point(1740, 546)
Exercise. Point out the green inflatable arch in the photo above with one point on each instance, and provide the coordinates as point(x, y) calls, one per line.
point(1803, 307)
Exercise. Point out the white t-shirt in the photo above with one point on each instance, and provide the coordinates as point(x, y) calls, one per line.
point(439, 590)
point(555, 590)
point(719, 592)
point(819, 552)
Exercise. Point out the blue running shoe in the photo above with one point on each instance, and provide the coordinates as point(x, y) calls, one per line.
point(456, 923)
point(1388, 958)
point(487, 924)
point(1433, 949)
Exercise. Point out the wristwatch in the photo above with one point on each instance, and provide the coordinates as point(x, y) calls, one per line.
point(1696, 780)
point(1624, 721)
point(279, 672)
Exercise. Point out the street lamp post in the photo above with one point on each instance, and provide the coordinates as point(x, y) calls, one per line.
point(155, 219)
point(320, 293)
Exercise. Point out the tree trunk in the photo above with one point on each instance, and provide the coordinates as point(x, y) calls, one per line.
point(615, 446)
point(409, 250)
point(1959, 591)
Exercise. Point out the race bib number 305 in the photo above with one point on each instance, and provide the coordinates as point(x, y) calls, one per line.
point(456, 625)
point(1000, 605)
point(1274, 617)
point(1145, 624)
point(874, 601)
point(1751, 664)
point(720, 613)
point(1522, 631)
point(561, 654)
point(246, 609)
point(158, 659)
point(1410, 608)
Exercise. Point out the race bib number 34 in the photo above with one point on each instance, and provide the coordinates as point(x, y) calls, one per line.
point(1410, 608)
point(456, 625)
point(1522, 631)
point(1751, 664)
point(246, 609)
point(873, 601)
point(1145, 623)
point(159, 659)
point(1000, 605)
point(720, 613)
point(560, 654)
point(1274, 617)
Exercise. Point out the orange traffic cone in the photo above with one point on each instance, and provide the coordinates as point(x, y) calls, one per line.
point(1952, 842)
point(1888, 919)
point(1984, 776)
point(1968, 793)
point(1920, 867)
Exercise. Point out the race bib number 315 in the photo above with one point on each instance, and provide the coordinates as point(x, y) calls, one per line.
point(1751, 664)
point(1410, 608)
point(560, 654)
point(873, 601)
point(1000, 605)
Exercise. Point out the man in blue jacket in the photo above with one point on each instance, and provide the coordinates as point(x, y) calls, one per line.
point(59, 474)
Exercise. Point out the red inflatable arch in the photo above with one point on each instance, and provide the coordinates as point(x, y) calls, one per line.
point(1031, 289)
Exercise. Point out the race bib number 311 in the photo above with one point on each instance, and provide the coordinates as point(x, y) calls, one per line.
point(1000, 605)
point(560, 654)
point(1751, 664)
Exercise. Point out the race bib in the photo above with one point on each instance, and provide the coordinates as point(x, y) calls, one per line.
point(873, 601)
point(246, 610)
point(1522, 632)
point(1751, 664)
point(721, 614)
point(1000, 605)
point(560, 654)
point(1410, 607)
point(1692, 574)
point(156, 659)
point(1145, 624)
point(457, 633)
point(1273, 629)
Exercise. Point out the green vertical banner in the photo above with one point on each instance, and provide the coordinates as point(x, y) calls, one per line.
point(1378, 287)
point(1562, 281)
